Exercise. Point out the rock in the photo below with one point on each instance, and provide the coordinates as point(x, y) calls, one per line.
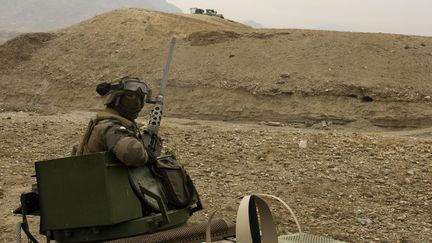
point(392, 226)
point(325, 125)
point(364, 221)
point(274, 124)
point(285, 75)
point(386, 171)
point(308, 123)
point(303, 144)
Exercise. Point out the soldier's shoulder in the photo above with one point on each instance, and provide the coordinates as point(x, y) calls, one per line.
point(110, 123)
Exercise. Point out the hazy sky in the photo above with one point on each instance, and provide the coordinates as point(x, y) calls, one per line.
point(413, 17)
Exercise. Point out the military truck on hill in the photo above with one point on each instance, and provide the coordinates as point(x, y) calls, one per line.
point(209, 12)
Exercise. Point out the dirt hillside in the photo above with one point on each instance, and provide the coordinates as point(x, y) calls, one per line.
point(225, 70)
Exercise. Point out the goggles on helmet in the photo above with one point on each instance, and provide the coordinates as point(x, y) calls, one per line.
point(124, 85)
point(132, 85)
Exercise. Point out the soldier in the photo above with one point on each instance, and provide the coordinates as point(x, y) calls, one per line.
point(114, 129)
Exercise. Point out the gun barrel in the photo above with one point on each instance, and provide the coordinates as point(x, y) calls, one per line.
point(151, 138)
point(166, 71)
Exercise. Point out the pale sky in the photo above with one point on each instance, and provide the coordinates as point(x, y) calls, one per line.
point(412, 17)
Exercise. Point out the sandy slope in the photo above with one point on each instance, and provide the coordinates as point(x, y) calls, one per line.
point(225, 70)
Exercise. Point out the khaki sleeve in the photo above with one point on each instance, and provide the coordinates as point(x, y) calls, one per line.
point(127, 148)
point(130, 151)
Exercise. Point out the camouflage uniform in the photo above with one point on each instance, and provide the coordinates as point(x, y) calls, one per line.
point(115, 131)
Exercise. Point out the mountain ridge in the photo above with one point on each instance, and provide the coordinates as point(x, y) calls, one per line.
point(37, 15)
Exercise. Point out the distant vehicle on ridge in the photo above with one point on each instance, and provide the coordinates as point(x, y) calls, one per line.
point(209, 12)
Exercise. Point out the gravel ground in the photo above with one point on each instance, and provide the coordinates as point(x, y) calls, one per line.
point(353, 186)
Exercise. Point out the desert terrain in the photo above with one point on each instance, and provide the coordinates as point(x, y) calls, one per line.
point(337, 124)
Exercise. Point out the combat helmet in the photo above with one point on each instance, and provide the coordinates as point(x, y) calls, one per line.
point(125, 95)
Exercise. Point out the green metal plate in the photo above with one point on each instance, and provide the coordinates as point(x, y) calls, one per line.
point(85, 191)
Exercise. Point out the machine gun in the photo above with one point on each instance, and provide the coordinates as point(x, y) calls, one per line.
point(173, 184)
point(150, 138)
